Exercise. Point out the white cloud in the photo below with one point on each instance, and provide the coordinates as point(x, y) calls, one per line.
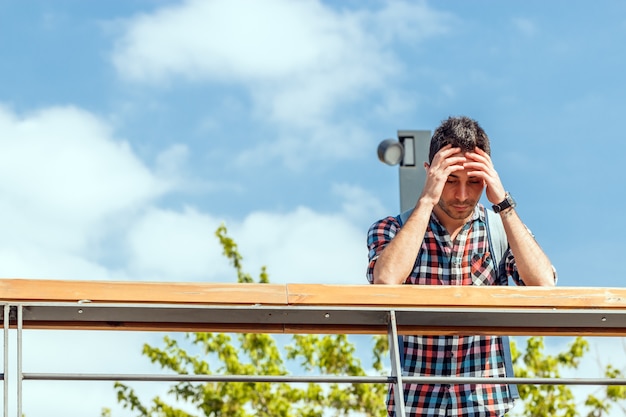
point(298, 58)
point(298, 246)
point(303, 247)
point(359, 205)
point(299, 61)
point(68, 161)
point(273, 40)
point(29, 260)
point(177, 246)
point(228, 40)
point(65, 182)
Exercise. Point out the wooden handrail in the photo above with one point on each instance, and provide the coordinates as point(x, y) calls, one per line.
point(316, 308)
point(34, 290)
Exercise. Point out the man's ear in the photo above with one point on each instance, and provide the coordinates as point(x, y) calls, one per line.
point(426, 166)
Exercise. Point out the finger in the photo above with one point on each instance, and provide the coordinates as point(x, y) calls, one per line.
point(479, 160)
point(480, 155)
point(455, 161)
point(445, 153)
point(478, 166)
point(450, 156)
point(481, 152)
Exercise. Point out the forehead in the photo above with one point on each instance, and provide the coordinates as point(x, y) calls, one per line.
point(459, 175)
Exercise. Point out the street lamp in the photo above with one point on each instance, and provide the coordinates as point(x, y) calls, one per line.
point(410, 151)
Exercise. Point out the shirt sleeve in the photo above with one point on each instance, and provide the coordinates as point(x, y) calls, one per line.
point(378, 237)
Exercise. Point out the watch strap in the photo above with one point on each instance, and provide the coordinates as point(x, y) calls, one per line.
point(505, 204)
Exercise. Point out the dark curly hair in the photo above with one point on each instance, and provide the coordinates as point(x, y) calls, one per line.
point(461, 132)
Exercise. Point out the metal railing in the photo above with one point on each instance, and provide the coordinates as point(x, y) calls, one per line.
point(302, 309)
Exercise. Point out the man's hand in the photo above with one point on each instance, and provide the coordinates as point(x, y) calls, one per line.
point(445, 162)
point(479, 165)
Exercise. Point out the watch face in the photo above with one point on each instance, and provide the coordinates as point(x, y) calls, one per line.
point(509, 201)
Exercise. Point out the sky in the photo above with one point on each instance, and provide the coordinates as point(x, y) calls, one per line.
point(131, 129)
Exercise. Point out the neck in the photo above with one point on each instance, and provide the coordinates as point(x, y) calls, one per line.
point(451, 224)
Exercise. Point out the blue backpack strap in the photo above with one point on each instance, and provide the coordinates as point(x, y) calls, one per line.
point(404, 216)
point(498, 244)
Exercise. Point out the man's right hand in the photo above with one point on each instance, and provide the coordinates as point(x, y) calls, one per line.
point(445, 162)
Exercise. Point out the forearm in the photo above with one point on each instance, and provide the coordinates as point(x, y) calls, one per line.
point(533, 264)
point(395, 262)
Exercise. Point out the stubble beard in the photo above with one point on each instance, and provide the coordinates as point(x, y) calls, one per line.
point(450, 211)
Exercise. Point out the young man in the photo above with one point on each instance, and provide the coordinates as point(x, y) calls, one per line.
point(444, 241)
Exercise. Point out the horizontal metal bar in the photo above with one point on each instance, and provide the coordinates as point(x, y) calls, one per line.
point(425, 380)
point(322, 315)
point(421, 320)
point(205, 378)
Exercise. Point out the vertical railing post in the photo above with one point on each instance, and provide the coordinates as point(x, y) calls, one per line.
point(20, 318)
point(5, 369)
point(396, 365)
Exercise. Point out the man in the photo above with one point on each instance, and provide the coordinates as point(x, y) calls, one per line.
point(445, 241)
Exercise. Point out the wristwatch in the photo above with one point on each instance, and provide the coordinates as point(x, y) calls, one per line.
point(508, 202)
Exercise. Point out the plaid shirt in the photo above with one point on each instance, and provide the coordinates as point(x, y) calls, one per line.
point(441, 261)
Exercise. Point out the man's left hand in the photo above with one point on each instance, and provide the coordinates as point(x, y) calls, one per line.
point(479, 164)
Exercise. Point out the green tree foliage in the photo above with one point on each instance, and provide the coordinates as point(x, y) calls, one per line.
point(259, 354)
point(559, 400)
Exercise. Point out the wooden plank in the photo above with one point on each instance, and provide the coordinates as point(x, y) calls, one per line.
point(30, 290)
point(26, 290)
point(457, 296)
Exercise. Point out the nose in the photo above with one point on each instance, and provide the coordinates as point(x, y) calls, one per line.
point(462, 192)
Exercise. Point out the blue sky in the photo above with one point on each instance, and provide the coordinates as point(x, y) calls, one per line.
point(150, 122)
point(129, 130)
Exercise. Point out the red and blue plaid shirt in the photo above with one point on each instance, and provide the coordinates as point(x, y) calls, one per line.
point(441, 261)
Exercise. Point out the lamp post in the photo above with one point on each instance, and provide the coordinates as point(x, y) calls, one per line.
point(410, 151)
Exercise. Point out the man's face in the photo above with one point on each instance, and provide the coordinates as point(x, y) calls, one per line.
point(460, 195)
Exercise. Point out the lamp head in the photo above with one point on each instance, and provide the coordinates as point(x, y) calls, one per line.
point(390, 151)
